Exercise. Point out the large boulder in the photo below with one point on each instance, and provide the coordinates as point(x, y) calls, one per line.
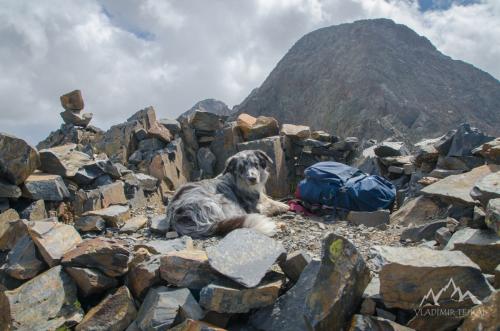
point(490, 150)
point(245, 256)
point(485, 316)
point(466, 139)
point(390, 148)
point(22, 261)
point(225, 144)
point(113, 194)
point(164, 307)
point(375, 323)
point(205, 122)
point(257, 128)
point(72, 100)
point(45, 187)
point(492, 219)
point(63, 160)
point(115, 312)
point(107, 255)
point(18, 159)
point(8, 190)
point(11, 229)
point(45, 302)
point(277, 185)
point(115, 216)
point(53, 239)
point(295, 131)
point(487, 188)
point(90, 281)
point(339, 285)
point(481, 246)
point(418, 211)
point(118, 142)
point(408, 274)
point(170, 165)
point(227, 297)
point(456, 188)
point(76, 117)
point(143, 275)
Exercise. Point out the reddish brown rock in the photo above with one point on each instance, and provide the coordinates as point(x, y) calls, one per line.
point(18, 159)
point(90, 281)
point(72, 100)
point(113, 194)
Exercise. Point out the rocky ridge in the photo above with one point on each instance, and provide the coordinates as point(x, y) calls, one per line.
point(85, 245)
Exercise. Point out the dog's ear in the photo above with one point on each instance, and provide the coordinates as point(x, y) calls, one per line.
point(230, 165)
point(264, 158)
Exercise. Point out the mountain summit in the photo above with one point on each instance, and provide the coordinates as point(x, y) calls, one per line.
point(375, 79)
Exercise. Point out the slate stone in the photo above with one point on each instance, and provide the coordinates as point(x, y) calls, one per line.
point(8, 190)
point(489, 150)
point(113, 194)
point(426, 231)
point(90, 224)
point(418, 211)
point(374, 323)
point(35, 211)
point(107, 255)
point(227, 297)
point(72, 100)
point(115, 312)
point(390, 148)
point(484, 316)
point(172, 125)
point(144, 275)
point(86, 200)
point(23, 261)
point(45, 302)
point(371, 219)
point(90, 281)
point(164, 307)
point(143, 181)
point(443, 236)
point(64, 160)
point(294, 264)
point(408, 273)
point(166, 246)
point(245, 256)
point(115, 216)
point(295, 131)
point(225, 144)
point(134, 224)
point(466, 139)
point(287, 313)
point(53, 239)
point(187, 268)
point(481, 246)
point(160, 224)
point(11, 229)
point(205, 121)
point(206, 162)
point(339, 285)
point(89, 172)
point(18, 159)
point(45, 187)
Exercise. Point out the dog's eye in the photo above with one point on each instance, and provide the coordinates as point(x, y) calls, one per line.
point(263, 163)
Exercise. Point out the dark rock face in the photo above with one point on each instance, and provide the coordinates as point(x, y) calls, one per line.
point(349, 79)
point(18, 159)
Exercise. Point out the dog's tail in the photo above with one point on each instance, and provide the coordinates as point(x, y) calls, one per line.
point(257, 222)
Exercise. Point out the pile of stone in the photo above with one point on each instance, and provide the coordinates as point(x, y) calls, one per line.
point(72, 103)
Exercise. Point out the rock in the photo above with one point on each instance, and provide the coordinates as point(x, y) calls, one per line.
point(4, 204)
point(485, 316)
point(164, 307)
point(425, 231)
point(107, 255)
point(295, 131)
point(90, 281)
point(205, 121)
point(22, 261)
point(492, 219)
point(225, 145)
point(481, 246)
point(426, 152)
point(294, 264)
point(46, 187)
point(418, 211)
point(425, 181)
point(487, 188)
point(63, 160)
point(490, 150)
point(443, 173)
point(206, 162)
point(227, 297)
point(45, 302)
point(171, 125)
point(143, 181)
point(53, 239)
point(459, 163)
point(443, 236)
point(90, 223)
point(144, 275)
point(134, 224)
point(288, 311)
point(93, 171)
point(170, 165)
point(160, 224)
point(370, 219)
point(187, 268)
point(115, 312)
point(76, 118)
point(390, 148)
point(118, 142)
point(192, 325)
point(113, 194)
point(409, 273)
point(85, 201)
point(160, 132)
point(11, 229)
point(374, 323)
point(115, 216)
point(18, 159)
point(262, 128)
point(167, 246)
point(72, 100)
point(456, 188)
point(277, 185)
point(8, 190)
point(35, 211)
point(466, 139)
point(245, 256)
point(338, 287)
point(497, 277)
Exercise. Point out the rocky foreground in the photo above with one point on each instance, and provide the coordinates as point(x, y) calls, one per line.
point(84, 243)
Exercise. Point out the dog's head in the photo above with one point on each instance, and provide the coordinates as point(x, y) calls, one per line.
point(249, 167)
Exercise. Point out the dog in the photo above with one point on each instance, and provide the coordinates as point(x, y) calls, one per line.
point(234, 199)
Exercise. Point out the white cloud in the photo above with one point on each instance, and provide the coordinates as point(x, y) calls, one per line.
point(125, 55)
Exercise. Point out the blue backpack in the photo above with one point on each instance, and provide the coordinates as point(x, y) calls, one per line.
point(341, 186)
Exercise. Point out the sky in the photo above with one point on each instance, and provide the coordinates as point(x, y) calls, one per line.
point(129, 54)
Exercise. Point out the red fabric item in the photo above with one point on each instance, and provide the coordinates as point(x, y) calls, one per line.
point(298, 208)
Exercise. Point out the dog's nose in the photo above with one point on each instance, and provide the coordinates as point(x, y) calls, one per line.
point(252, 179)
